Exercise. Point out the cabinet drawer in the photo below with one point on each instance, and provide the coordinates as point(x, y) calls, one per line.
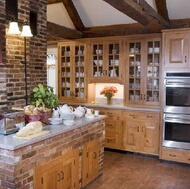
point(111, 114)
point(176, 155)
point(111, 126)
point(141, 115)
point(112, 141)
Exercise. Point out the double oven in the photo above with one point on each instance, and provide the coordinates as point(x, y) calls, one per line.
point(176, 114)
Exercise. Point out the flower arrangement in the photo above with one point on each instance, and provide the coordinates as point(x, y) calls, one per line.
point(109, 92)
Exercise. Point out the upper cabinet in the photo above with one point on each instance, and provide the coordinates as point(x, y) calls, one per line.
point(72, 71)
point(105, 61)
point(176, 51)
point(142, 71)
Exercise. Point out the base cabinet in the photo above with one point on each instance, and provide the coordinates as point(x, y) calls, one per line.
point(182, 156)
point(140, 131)
point(90, 161)
point(62, 172)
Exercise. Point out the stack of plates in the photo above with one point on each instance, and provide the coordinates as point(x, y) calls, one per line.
point(55, 121)
point(69, 122)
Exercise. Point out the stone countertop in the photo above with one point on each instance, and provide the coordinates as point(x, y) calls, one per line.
point(10, 143)
point(116, 106)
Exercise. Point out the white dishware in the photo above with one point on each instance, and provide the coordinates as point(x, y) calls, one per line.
point(96, 113)
point(89, 111)
point(90, 116)
point(68, 122)
point(55, 114)
point(65, 109)
point(55, 121)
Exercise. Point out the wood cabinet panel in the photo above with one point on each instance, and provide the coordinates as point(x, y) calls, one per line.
point(176, 46)
point(140, 131)
point(90, 161)
point(62, 172)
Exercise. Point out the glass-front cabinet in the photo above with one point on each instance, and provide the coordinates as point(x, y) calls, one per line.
point(143, 70)
point(71, 71)
point(106, 61)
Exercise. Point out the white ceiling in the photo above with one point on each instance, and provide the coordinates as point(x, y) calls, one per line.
point(99, 13)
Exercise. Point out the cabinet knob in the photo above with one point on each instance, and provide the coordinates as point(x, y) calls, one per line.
point(172, 155)
point(62, 175)
point(59, 177)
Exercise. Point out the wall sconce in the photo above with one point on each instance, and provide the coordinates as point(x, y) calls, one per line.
point(26, 32)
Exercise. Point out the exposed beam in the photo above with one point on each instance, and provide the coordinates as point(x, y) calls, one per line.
point(121, 30)
point(54, 1)
point(140, 11)
point(60, 32)
point(73, 15)
point(162, 9)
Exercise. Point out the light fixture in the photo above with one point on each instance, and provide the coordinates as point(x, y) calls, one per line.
point(26, 31)
point(13, 28)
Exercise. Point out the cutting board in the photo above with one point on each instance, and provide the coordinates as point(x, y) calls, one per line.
point(33, 136)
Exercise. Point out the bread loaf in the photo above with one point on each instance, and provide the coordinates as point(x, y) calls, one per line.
point(30, 129)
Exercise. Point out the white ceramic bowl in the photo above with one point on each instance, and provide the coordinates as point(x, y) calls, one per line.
point(55, 121)
point(68, 122)
point(67, 116)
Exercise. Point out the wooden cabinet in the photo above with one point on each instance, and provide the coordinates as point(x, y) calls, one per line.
point(176, 49)
point(72, 82)
point(62, 172)
point(106, 61)
point(140, 131)
point(176, 155)
point(90, 161)
point(143, 71)
point(113, 134)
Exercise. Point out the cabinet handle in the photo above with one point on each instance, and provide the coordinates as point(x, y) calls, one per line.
point(59, 177)
point(95, 155)
point(141, 96)
point(138, 129)
point(185, 58)
point(172, 155)
point(148, 116)
point(62, 175)
point(144, 97)
point(142, 130)
point(106, 72)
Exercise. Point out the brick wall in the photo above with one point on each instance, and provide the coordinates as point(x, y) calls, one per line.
point(12, 75)
point(17, 167)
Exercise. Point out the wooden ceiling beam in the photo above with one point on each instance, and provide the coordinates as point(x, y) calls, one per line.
point(162, 9)
point(61, 32)
point(53, 1)
point(140, 11)
point(73, 15)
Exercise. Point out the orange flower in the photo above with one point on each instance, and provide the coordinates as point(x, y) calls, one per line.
point(108, 91)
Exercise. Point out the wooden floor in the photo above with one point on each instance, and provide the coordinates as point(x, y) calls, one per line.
point(129, 171)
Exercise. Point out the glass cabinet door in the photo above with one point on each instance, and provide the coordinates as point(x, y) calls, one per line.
point(79, 71)
point(153, 70)
point(134, 51)
point(98, 52)
point(113, 58)
point(65, 71)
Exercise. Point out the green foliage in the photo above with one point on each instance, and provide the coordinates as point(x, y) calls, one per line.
point(43, 96)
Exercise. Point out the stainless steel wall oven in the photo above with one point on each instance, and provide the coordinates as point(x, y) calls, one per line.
point(176, 117)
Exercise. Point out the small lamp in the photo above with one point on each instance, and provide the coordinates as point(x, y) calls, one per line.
point(26, 31)
point(13, 28)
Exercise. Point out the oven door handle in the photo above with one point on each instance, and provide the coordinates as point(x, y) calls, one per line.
point(179, 83)
point(177, 120)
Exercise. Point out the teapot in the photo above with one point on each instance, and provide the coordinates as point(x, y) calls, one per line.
point(82, 109)
point(55, 113)
point(65, 109)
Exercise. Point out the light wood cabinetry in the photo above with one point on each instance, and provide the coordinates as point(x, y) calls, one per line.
point(90, 161)
point(62, 172)
point(175, 155)
point(140, 131)
point(176, 49)
point(113, 135)
point(106, 61)
point(72, 82)
point(143, 71)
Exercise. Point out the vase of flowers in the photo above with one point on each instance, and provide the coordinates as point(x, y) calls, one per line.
point(109, 92)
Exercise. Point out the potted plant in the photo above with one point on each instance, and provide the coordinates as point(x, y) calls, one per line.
point(43, 96)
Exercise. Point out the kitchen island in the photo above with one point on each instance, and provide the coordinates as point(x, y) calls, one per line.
point(22, 161)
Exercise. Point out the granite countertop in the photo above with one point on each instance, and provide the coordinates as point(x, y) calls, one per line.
point(116, 106)
point(10, 143)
